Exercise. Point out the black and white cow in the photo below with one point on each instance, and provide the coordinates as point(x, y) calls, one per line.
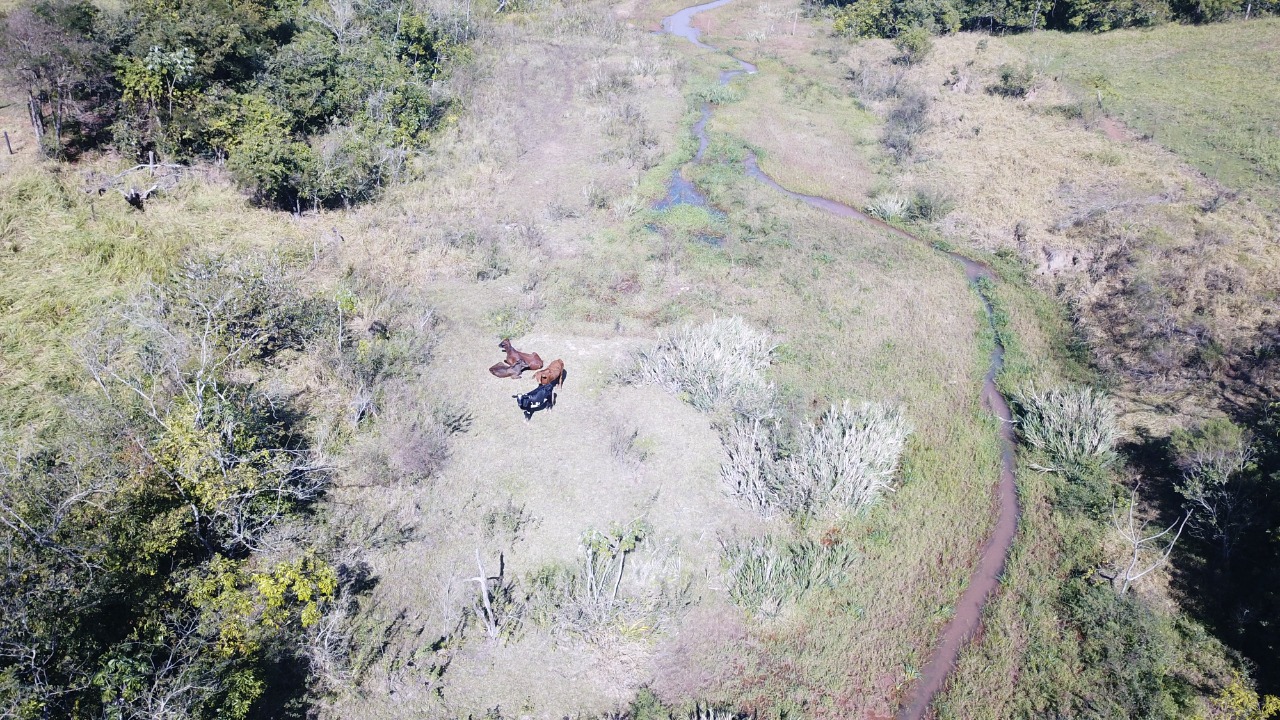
point(542, 397)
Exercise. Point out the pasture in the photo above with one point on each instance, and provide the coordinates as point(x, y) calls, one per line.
point(480, 538)
point(1205, 92)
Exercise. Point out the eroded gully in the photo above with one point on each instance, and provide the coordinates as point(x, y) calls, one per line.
point(995, 550)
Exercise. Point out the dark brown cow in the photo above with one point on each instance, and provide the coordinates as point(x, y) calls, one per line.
point(531, 360)
point(503, 370)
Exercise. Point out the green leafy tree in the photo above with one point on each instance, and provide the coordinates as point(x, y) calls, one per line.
point(1218, 481)
point(914, 44)
point(864, 18)
point(263, 155)
point(302, 80)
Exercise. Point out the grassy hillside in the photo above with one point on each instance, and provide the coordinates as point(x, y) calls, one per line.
point(1169, 279)
point(1206, 92)
point(69, 256)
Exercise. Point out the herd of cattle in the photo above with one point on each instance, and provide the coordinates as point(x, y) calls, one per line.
point(549, 378)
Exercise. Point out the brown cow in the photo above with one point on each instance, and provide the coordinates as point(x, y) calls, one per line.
point(503, 370)
point(552, 374)
point(513, 355)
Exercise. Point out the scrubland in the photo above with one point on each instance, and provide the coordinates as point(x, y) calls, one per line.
point(602, 560)
point(989, 144)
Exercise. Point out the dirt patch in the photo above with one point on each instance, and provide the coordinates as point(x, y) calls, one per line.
point(1114, 129)
point(569, 469)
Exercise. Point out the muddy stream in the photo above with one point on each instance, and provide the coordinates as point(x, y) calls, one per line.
point(995, 551)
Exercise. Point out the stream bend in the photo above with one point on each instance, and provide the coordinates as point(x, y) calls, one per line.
point(995, 550)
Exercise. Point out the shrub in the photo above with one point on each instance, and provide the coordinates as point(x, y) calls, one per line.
point(263, 156)
point(347, 165)
point(716, 365)
point(872, 81)
point(914, 44)
point(1219, 484)
point(749, 471)
point(1240, 700)
point(889, 207)
point(1127, 649)
point(931, 204)
point(887, 18)
point(605, 589)
point(846, 461)
point(850, 457)
point(1015, 82)
point(1074, 426)
point(905, 122)
point(409, 444)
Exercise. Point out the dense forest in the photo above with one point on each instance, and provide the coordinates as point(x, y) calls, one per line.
point(308, 104)
point(889, 18)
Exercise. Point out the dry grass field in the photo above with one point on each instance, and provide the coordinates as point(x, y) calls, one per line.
point(537, 182)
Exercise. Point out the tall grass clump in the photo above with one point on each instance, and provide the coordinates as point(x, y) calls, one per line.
point(844, 462)
point(717, 365)
point(716, 93)
point(889, 208)
point(851, 456)
point(766, 572)
point(1074, 426)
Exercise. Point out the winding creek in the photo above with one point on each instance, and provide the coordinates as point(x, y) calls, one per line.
point(995, 550)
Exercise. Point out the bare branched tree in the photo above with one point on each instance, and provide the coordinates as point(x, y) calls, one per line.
point(35, 506)
point(339, 17)
point(47, 55)
point(1143, 553)
point(494, 606)
point(164, 678)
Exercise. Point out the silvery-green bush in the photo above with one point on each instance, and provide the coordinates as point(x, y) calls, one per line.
point(844, 462)
point(851, 457)
point(1074, 426)
point(889, 207)
point(716, 365)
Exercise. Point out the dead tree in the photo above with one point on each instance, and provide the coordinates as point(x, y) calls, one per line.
point(1138, 546)
point(155, 177)
point(494, 596)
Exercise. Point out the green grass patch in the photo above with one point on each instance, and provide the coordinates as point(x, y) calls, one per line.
point(67, 256)
point(688, 223)
point(653, 184)
point(1207, 92)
